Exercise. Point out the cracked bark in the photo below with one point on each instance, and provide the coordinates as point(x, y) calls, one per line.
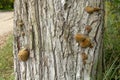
point(49, 27)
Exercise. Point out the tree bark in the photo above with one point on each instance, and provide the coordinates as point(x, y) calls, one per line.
point(49, 27)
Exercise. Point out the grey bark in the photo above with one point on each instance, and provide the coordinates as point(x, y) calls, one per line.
point(50, 27)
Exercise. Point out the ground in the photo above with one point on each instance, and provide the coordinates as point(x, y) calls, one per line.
point(6, 26)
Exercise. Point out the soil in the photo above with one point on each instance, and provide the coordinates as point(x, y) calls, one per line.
point(6, 26)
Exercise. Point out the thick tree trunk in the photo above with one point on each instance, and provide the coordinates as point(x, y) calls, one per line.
point(47, 29)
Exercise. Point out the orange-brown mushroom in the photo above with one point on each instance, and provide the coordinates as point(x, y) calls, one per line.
point(96, 9)
point(88, 28)
point(85, 43)
point(23, 54)
point(89, 9)
point(79, 37)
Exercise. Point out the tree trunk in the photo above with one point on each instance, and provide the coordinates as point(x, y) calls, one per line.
point(47, 28)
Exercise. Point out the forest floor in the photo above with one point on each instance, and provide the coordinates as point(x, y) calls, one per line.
point(6, 26)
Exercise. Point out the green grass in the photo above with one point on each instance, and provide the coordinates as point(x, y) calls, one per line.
point(6, 60)
point(111, 47)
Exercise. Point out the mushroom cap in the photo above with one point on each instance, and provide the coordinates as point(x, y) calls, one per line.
point(23, 54)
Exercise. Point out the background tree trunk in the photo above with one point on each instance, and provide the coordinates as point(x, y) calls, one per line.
point(47, 28)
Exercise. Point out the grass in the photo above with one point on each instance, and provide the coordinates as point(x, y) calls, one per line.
point(113, 71)
point(6, 60)
point(111, 47)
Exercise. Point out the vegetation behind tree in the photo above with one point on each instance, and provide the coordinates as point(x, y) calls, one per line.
point(6, 4)
point(112, 40)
